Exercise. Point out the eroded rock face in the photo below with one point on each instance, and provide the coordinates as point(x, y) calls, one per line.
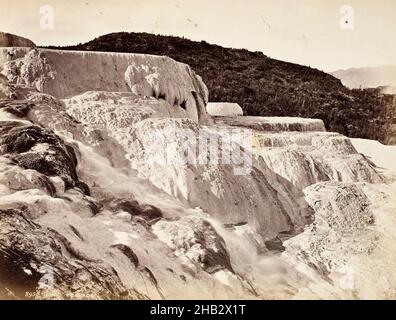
point(342, 230)
point(51, 71)
point(16, 178)
point(194, 239)
point(32, 147)
point(216, 188)
point(299, 151)
point(272, 124)
point(35, 264)
point(147, 212)
point(92, 243)
point(315, 157)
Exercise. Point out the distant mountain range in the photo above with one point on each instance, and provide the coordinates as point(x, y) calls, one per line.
point(373, 77)
point(263, 86)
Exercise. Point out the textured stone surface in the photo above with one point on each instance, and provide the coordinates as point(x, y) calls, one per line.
point(64, 74)
point(224, 109)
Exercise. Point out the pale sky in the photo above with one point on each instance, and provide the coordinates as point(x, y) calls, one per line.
point(307, 32)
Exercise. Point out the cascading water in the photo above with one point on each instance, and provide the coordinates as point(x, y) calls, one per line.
point(267, 274)
point(98, 171)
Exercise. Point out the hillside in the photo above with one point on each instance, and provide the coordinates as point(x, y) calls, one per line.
point(264, 86)
point(10, 40)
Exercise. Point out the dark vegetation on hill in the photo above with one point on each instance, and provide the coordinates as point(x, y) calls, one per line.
point(264, 86)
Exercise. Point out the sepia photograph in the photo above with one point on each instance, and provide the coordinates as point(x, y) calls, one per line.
point(188, 153)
